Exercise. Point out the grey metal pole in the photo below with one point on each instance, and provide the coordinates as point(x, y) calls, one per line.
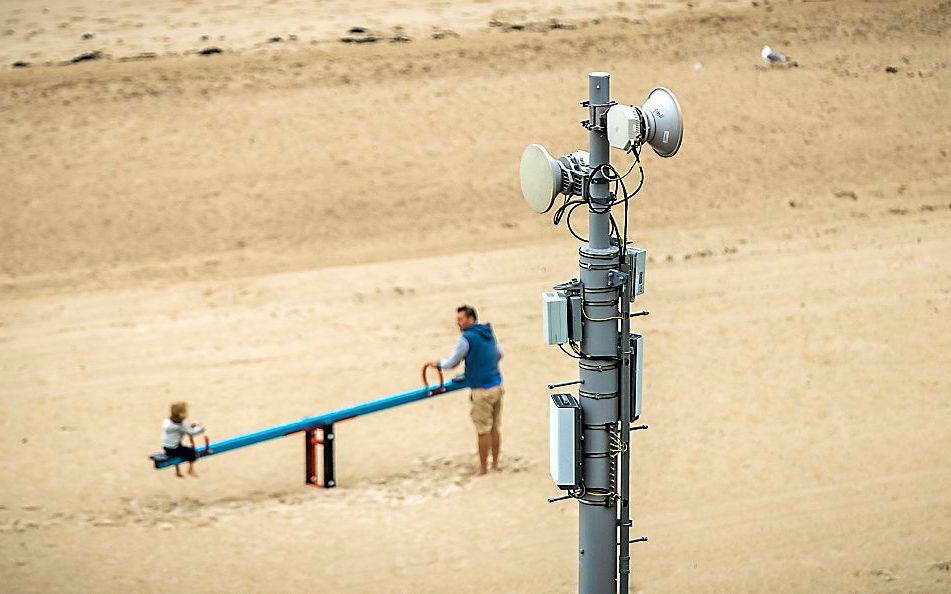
point(599, 93)
point(599, 369)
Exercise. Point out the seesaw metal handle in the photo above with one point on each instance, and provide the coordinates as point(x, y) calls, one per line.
point(442, 383)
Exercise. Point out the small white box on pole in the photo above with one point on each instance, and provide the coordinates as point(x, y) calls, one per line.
point(555, 317)
point(565, 441)
point(637, 264)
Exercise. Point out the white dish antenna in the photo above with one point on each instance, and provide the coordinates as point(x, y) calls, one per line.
point(658, 123)
point(665, 122)
point(540, 176)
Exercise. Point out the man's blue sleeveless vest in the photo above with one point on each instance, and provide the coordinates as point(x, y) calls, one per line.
point(482, 360)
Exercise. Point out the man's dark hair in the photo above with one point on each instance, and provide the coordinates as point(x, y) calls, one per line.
point(469, 311)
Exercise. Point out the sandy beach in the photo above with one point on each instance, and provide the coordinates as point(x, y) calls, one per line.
point(285, 226)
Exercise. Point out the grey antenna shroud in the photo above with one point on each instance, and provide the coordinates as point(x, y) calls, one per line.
point(664, 122)
point(542, 177)
point(658, 123)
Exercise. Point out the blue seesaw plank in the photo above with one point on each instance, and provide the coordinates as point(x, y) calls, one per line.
point(220, 447)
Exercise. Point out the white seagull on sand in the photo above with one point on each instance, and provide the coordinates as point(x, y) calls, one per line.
point(773, 57)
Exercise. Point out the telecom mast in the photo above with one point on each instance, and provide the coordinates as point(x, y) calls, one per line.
point(590, 434)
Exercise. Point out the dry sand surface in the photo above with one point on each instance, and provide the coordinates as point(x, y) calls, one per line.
point(286, 227)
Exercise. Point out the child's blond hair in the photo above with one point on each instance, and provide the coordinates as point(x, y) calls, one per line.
point(178, 411)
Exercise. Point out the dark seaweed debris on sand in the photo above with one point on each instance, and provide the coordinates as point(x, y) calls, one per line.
point(360, 35)
point(87, 57)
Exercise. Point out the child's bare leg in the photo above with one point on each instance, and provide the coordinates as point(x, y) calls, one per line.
point(191, 470)
point(178, 472)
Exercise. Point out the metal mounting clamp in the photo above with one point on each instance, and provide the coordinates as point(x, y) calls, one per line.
point(616, 278)
point(597, 115)
point(569, 287)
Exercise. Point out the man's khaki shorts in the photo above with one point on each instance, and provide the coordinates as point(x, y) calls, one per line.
point(486, 411)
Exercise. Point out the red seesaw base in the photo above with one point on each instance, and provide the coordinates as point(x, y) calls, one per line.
point(326, 442)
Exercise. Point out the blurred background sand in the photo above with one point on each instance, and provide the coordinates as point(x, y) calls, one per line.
point(287, 226)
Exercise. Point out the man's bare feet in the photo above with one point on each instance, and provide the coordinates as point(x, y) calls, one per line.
point(192, 473)
point(481, 472)
point(179, 474)
point(496, 468)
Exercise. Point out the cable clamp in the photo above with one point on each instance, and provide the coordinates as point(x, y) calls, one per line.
point(598, 395)
point(609, 426)
point(599, 364)
point(596, 265)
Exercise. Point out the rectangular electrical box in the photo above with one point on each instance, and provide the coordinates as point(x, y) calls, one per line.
point(565, 441)
point(555, 317)
point(636, 263)
point(637, 375)
point(574, 317)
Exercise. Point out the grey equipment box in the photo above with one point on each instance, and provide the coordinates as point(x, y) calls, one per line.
point(565, 441)
point(637, 264)
point(555, 317)
point(637, 374)
point(574, 317)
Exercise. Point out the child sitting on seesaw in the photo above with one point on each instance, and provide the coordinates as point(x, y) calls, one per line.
point(174, 429)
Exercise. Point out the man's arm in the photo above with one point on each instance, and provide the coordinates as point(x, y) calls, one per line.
point(458, 354)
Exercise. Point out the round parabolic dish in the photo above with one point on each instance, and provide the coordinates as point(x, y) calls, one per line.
point(539, 176)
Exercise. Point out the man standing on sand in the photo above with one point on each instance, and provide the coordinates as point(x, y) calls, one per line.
point(478, 346)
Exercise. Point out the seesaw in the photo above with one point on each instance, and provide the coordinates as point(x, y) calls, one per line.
point(323, 423)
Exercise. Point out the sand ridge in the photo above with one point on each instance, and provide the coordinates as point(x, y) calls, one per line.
point(60, 32)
